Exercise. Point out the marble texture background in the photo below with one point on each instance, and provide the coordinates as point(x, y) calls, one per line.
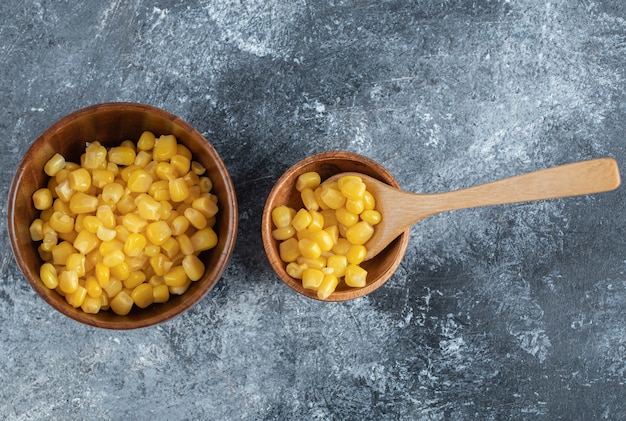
point(509, 312)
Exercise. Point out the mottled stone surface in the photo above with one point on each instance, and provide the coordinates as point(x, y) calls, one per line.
point(495, 313)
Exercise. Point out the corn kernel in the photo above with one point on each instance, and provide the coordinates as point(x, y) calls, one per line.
point(332, 197)
point(204, 239)
point(317, 221)
point(283, 233)
point(179, 190)
point(122, 303)
point(179, 225)
point(186, 247)
point(294, 270)
point(134, 279)
point(54, 165)
point(179, 290)
point(368, 201)
point(85, 242)
point(282, 216)
point(323, 239)
point(312, 278)
point(114, 258)
point(103, 274)
point(126, 204)
point(36, 230)
point(355, 206)
point(338, 263)
point(327, 286)
point(356, 276)
point(68, 281)
point(371, 216)
point(42, 198)
point(161, 293)
point(114, 288)
point(164, 148)
point(356, 254)
point(146, 141)
point(142, 158)
point(61, 223)
point(148, 208)
point(79, 179)
point(142, 295)
point(176, 277)
point(205, 184)
point(83, 203)
point(319, 263)
point(48, 275)
point(352, 187)
point(91, 305)
point(76, 298)
point(160, 264)
point(308, 199)
point(157, 232)
point(288, 250)
point(60, 252)
point(360, 232)
point(122, 155)
point(112, 193)
point(181, 164)
point(205, 205)
point(139, 181)
point(170, 247)
point(308, 180)
point(95, 156)
point(121, 271)
point(76, 262)
point(64, 191)
point(134, 244)
point(302, 220)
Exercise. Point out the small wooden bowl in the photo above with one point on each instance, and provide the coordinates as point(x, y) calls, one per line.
point(380, 268)
point(111, 124)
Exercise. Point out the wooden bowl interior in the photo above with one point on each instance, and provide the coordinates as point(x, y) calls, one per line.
point(380, 268)
point(111, 124)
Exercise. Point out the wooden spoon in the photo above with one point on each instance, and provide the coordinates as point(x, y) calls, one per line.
point(402, 209)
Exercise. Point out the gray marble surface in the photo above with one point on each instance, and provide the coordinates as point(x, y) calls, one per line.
point(508, 312)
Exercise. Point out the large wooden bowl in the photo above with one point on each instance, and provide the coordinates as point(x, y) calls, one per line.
point(111, 124)
point(380, 268)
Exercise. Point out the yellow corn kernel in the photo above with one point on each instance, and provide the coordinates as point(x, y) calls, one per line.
point(308, 199)
point(105, 234)
point(125, 172)
point(62, 174)
point(146, 141)
point(317, 221)
point(122, 155)
point(160, 264)
point(50, 237)
point(196, 218)
point(91, 223)
point(179, 290)
point(193, 266)
point(289, 250)
point(205, 184)
point(103, 274)
point(355, 206)
point(76, 298)
point(134, 223)
point(54, 165)
point(352, 187)
point(48, 275)
point(179, 225)
point(93, 287)
point(165, 171)
point(356, 254)
point(198, 169)
point(85, 242)
point(68, 281)
point(283, 233)
point(333, 231)
point(60, 206)
point(179, 190)
point(112, 193)
point(102, 177)
point(176, 277)
point(318, 196)
point(161, 293)
point(114, 258)
point(42, 198)
point(126, 204)
point(338, 263)
point(134, 279)
point(95, 156)
point(309, 248)
point(301, 220)
point(79, 179)
point(183, 150)
point(312, 278)
point(105, 214)
point(64, 191)
point(309, 180)
point(360, 232)
point(327, 286)
point(136, 263)
point(156, 280)
point(60, 252)
point(76, 262)
point(346, 218)
point(142, 295)
point(186, 247)
point(152, 250)
point(83, 203)
point(203, 239)
point(371, 216)
point(104, 302)
point(142, 158)
point(134, 244)
point(165, 148)
point(159, 190)
point(369, 202)
point(61, 223)
point(355, 276)
point(205, 205)
point(122, 303)
point(181, 163)
point(332, 197)
point(121, 271)
point(295, 270)
point(323, 239)
point(319, 263)
point(329, 217)
point(109, 246)
point(114, 288)
point(139, 181)
point(282, 216)
point(36, 230)
point(191, 178)
point(171, 248)
point(148, 208)
point(91, 305)
point(157, 232)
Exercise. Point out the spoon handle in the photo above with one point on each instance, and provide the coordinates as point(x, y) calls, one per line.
point(586, 177)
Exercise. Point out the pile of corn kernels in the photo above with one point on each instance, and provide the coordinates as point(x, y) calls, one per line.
point(323, 242)
point(124, 227)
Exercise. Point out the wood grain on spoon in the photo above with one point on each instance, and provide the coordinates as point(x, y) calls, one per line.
point(402, 209)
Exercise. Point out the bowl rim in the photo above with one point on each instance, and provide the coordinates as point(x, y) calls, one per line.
point(401, 241)
point(184, 305)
